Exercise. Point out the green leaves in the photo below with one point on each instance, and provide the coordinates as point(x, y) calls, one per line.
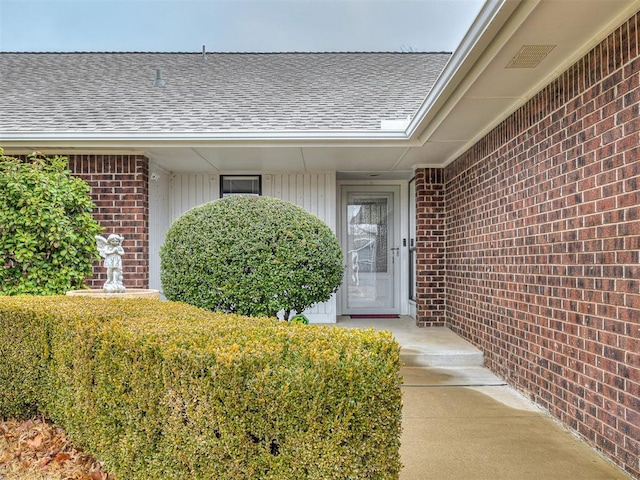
point(46, 228)
point(250, 255)
point(164, 390)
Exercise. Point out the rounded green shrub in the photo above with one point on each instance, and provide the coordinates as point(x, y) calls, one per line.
point(250, 255)
point(47, 232)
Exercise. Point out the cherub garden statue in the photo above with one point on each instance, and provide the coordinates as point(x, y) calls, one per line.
point(111, 250)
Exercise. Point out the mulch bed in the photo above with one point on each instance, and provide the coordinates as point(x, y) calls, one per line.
point(36, 449)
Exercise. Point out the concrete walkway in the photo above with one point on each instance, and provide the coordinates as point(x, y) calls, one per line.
point(460, 421)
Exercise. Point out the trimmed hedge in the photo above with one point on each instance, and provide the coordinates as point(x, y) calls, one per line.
point(164, 390)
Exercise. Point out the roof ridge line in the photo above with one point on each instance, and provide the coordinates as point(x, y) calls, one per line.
point(228, 53)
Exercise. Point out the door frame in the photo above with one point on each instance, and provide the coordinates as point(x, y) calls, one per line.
point(402, 210)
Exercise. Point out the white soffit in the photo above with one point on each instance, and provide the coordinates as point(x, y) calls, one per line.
point(214, 159)
point(470, 116)
point(252, 158)
point(429, 155)
point(352, 159)
point(255, 159)
point(490, 91)
point(178, 160)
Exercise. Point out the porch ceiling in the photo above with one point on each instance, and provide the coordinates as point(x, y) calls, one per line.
point(475, 93)
point(361, 159)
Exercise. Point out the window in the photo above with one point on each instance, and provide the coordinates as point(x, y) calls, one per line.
point(240, 185)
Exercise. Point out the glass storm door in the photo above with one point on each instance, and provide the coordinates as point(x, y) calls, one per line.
point(372, 250)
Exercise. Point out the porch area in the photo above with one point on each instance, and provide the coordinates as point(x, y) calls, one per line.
point(460, 421)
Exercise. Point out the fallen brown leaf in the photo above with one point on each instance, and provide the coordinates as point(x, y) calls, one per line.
point(35, 442)
point(61, 457)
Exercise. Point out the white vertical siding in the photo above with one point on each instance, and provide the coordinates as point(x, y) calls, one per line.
point(315, 192)
point(159, 219)
point(192, 189)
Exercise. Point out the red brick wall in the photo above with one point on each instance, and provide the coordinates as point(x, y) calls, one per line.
point(542, 247)
point(120, 190)
point(430, 248)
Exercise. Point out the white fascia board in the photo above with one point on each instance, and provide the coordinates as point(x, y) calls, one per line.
point(253, 138)
point(448, 77)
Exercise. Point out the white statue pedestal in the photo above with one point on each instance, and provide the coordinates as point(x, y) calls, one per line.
point(129, 293)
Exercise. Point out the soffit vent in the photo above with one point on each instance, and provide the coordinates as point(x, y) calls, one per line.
point(530, 56)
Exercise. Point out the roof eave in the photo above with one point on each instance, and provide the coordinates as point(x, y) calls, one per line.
point(46, 139)
point(491, 17)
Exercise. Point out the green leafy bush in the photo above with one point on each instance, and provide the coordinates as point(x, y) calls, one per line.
point(164, 390)
point(47, 232)
point(252, 256)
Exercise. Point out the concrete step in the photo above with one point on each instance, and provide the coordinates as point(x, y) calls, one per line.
point(423, 347)
point(416, 357)
point(440, 348)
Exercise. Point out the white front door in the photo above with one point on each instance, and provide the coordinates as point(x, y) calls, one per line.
point(370, 238)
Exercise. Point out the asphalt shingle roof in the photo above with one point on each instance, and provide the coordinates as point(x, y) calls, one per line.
point(114, 92)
